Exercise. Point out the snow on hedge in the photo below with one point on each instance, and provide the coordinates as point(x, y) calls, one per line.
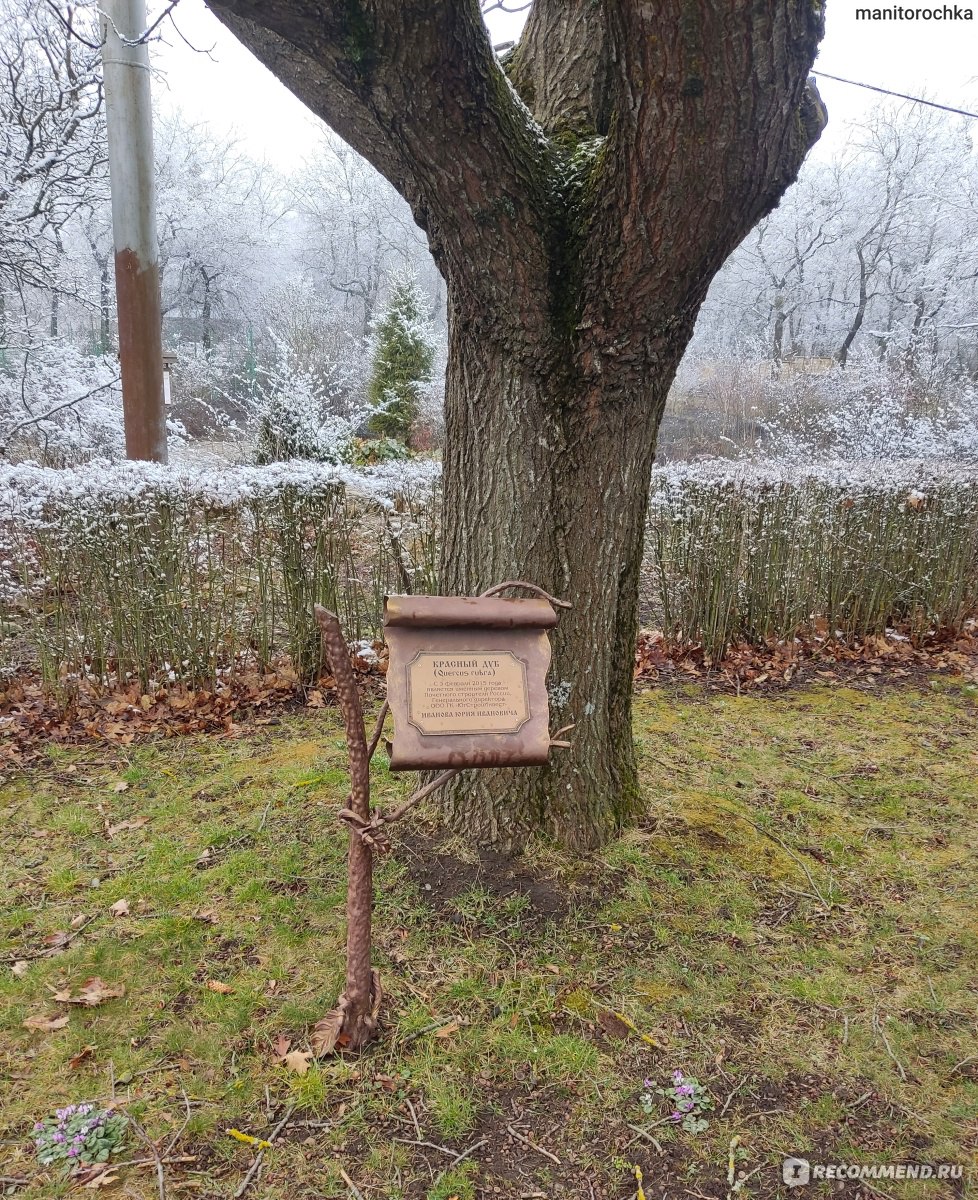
point(46, 495)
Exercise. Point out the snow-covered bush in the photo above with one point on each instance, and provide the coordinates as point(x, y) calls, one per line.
point(60, 407)
point(869, 410)
point(301, 414)
point(749, 552)
point(149, 575)
point(146, 575)
point(748, 406)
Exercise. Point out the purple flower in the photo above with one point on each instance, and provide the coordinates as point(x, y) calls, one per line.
point(676, 1116)
point(74, 1152)
point(58, 1137)
point(677, 1077)
point(38, 1126)
point(648, 1083)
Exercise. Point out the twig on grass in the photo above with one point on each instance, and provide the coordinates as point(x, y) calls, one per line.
point(644, 1133)
point(736, 1089)
point(165, 1159)
point(889, 1049)
point(787, 849)
point(457, 1159)
point(358, 1195)
point(51, 950)
point(186, 1121)
point(259, 1157)
point(414, 1115)
point(156, 1160)
point(440, 1024)
point(533, 1145)
point(430, 1145)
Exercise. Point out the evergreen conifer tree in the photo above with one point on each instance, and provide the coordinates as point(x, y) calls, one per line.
point(403, 361)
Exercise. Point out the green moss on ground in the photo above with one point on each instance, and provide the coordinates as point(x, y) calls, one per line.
point(793, 922)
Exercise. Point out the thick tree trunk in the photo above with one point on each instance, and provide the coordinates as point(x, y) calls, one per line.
point(540, 484)
point(578, 210)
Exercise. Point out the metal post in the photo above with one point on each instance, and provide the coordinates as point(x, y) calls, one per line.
point(355, 1017)
point(129, 122)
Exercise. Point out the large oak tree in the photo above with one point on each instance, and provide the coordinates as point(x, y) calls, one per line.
point(578, 199)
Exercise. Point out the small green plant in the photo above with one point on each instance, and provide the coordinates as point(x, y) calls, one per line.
point(80, 1133)
point(688, 1097)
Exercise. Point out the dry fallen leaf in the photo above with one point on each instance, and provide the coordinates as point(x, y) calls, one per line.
point(612, 1024)
point(93, 991)
point(121, 786)
point(19, 968)
point(57, 940)
point(120, 908)
point(446, 1031)
point(104, 1178)
point(78, 921)
point(298, 1061)
point(83, 1054)
point(46, 1024)
point(207, 915)
point(326, 1032)
point(215, 985)
point(135, 823)
point(281, 1046)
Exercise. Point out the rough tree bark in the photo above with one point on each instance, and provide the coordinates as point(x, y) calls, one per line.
point(578, 201)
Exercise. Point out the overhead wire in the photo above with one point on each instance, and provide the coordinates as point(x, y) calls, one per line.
point(961, 112)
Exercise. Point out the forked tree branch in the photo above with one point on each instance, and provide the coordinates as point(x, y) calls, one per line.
point(414, 86)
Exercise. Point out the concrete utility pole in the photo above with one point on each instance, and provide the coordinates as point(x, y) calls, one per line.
point(129, 121)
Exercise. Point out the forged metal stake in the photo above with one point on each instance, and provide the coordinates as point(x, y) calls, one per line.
point(359, 1021)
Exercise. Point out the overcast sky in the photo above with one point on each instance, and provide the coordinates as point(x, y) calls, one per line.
point(235, 94)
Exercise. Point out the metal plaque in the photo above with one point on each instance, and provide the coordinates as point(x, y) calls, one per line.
point(466, 681)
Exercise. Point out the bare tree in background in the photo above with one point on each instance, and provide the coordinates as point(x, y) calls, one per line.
point(52, 143)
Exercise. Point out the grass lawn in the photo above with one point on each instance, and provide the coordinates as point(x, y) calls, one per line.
point(793, 924)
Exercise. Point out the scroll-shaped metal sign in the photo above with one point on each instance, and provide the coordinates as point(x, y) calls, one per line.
point(466, 680)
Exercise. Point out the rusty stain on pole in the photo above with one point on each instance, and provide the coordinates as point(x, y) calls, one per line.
point(129, 124)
